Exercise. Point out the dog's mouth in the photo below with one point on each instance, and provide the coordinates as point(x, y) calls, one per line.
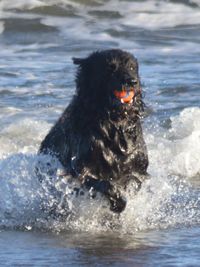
point(125, 95)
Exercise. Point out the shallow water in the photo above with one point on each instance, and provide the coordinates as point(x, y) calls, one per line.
point(160, 226)
point(155, 248)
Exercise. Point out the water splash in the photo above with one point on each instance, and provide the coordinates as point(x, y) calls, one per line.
point(166, 199)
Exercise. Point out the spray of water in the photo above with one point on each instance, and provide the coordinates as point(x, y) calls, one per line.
point(166, 199)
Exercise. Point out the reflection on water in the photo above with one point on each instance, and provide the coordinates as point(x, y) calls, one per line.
point(155, 248)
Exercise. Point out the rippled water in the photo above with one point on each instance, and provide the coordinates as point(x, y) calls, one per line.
point(160, 226)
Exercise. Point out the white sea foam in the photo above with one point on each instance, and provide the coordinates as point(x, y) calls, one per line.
point(151, 14)
point(164, 200)
point(176, 151)
point(22, 136)
point(147, 14)
point(21, 4)
point(160, 14)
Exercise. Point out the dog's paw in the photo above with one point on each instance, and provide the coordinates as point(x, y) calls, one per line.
point(117, 204)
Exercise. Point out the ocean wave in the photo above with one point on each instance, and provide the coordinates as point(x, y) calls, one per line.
point(175, 151)
point(151, 14)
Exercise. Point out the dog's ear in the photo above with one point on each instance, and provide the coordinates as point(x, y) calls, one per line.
point(78, 61)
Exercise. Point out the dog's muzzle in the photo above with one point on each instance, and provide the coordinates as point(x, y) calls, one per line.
point(125, 95)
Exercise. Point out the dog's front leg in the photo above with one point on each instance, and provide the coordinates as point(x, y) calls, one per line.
point(117, 202)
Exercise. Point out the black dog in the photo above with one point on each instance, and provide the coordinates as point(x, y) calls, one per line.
point(98, 139)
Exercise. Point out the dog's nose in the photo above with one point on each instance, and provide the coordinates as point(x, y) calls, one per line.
point(129, 81)
point(133, 81)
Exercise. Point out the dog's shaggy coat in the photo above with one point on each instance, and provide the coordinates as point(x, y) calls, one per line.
point(98, 139)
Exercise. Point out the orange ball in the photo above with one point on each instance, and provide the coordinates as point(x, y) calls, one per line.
point(125, 96)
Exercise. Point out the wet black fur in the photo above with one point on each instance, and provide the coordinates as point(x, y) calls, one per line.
point(97, 139)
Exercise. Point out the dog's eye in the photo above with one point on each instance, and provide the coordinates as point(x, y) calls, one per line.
point(131, 67)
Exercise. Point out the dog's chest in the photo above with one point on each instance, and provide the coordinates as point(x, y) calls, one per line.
point(112, 150)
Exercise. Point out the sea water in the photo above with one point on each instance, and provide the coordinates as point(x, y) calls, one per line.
point(160, 226)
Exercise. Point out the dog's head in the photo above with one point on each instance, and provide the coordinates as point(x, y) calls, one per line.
point(109, 79)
